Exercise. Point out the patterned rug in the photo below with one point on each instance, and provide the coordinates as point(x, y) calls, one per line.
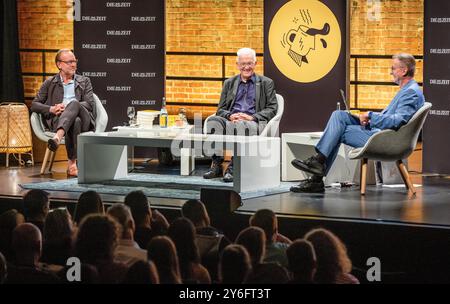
point(153, 185)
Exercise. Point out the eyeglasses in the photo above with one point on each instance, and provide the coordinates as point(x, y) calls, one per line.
point(246, 64)
point(69, 61)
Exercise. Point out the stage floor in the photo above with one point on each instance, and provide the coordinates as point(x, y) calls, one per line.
point(430, 207)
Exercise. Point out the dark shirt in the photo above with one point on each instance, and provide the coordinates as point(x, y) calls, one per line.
point(56, 252)
point(30, 275)
point(245, 97)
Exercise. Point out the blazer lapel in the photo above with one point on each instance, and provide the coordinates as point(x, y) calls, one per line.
point(257, 92)
point(234, 89)
point(77, 87)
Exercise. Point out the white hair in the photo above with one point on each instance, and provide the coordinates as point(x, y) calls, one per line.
point(246, 51)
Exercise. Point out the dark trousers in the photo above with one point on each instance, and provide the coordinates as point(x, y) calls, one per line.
point(222, 126)
point(74, 120)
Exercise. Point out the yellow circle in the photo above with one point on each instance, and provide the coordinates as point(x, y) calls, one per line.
point(304, 40)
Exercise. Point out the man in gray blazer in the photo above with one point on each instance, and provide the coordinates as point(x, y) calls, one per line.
point(246, 105)
point(67, 104)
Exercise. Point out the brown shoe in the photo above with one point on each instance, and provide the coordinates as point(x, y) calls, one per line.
point(72, 171)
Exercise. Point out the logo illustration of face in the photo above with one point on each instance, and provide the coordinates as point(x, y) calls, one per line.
point(304, 40)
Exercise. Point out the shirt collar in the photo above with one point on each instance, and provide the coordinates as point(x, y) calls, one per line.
point(251, 79)
point(70, 81)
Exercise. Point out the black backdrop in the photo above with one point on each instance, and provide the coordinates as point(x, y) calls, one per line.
point(11, 84)
point(436, 86)
point(121, 47)
point(308, 105)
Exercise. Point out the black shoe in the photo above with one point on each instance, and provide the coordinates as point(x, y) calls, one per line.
point(53, 144)
point(309, 186)
point(228, 177)
point(214, 171)
point(310, 165)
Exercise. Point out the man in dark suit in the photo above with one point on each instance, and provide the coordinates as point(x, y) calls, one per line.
point(246, 105)
point(67, 104)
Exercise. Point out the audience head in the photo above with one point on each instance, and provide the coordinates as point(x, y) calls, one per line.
point(234, 265)
point(254, 240)
point(27, 244)
point(36, 205)
point(97, 239)
point(140, 208)
point(161, 250)
point(195, 211)
point(142, 272)
point(3, 269)
point(267, 221)
point(302, 260)
point(89, 202)
point(331, 255)
point(58, 226)
point(8, 221)
point(122, 214)
point(182, 232)
point(408, 62)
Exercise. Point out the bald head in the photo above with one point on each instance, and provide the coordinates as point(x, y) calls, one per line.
point(27, 243)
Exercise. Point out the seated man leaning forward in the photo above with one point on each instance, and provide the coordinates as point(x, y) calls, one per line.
point(246, 105)
point(66, 102)
point(344, 128)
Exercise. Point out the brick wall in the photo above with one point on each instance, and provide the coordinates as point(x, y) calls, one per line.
point(399, 28)
point(225, 26)
point(208, 26)
point(43, 24)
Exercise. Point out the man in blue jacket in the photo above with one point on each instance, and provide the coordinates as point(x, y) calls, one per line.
point(355, 131)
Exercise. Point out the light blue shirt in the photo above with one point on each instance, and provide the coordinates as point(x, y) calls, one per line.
point(69, 91)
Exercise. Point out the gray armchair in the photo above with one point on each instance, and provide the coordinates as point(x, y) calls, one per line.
point(391, 145)
point(44, 134)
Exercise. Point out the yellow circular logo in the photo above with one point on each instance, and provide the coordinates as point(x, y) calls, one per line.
point(304, 40)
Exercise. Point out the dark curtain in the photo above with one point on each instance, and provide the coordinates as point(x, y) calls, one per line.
point(11, 84)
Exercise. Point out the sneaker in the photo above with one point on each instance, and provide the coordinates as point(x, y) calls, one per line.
point(309, 186)
point(228, 177)
point(214, 171)
point(310, 165)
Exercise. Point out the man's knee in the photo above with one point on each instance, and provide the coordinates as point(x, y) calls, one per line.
point(214, 127)
point(77, 125)
point(75, 106)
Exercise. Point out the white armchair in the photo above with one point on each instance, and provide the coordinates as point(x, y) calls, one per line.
point(43, 134)
point(271, 129)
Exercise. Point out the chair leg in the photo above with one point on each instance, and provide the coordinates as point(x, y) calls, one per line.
point(52, 158)
point(363, 177)
point(44, 162)
point(405, 175)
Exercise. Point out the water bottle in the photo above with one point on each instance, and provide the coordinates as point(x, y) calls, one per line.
point(163, 115)
point(338, 106)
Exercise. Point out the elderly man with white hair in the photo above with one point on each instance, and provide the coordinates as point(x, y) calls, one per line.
point(246, 105)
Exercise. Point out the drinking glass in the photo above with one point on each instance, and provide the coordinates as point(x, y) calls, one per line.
point(131, 112)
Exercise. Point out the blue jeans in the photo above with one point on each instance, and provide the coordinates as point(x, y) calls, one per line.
point(342, 127)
